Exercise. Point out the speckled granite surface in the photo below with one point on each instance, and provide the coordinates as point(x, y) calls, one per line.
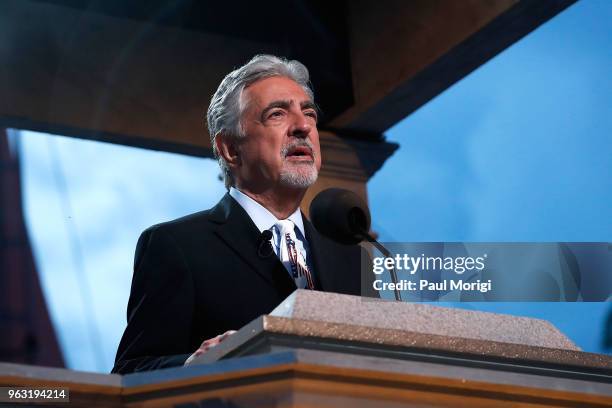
point(434, 344)
point(421, 318)
point(400, 330)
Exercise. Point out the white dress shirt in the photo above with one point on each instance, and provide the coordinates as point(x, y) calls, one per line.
point(265, 220)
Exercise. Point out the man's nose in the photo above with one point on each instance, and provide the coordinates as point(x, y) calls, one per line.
point(300, 126)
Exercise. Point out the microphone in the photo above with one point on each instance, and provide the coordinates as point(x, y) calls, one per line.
point(264, 247)
point(340, 215)
point(344, 217)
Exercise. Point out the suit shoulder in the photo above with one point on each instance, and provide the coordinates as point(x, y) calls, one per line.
point(200, 216)
point(182, 224)
point(171, 234)
point(201, 219)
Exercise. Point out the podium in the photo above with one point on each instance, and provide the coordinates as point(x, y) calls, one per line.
point(329, 350)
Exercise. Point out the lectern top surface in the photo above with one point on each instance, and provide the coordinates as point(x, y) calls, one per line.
point(421, 318)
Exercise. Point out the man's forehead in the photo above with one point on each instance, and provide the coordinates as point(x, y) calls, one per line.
point(272, 89)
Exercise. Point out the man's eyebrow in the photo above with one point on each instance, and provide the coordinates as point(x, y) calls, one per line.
point(283, 104)
point(286, 104)
point(308, 105)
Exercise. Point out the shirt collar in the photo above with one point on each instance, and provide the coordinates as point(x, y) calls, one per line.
point(263, 219)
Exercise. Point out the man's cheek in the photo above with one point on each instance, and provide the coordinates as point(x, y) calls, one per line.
point(317, 155)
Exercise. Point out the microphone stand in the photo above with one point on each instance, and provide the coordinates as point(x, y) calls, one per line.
point(343, 216)
point(386, 253)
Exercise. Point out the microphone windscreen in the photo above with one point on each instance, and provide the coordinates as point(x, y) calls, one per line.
point(340, 215)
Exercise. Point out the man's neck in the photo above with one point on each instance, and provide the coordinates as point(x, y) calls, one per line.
point(281, 201)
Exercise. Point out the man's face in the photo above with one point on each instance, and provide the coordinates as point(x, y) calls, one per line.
point(281, 142)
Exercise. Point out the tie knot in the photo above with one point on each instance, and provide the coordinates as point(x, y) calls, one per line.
point(285, 226)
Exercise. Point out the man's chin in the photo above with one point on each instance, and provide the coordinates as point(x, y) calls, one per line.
point(299, 178)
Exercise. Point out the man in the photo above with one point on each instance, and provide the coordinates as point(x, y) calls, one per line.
point(201, 276)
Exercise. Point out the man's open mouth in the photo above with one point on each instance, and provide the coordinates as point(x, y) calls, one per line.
point(300, 152)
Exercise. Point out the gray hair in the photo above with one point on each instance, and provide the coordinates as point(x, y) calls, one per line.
point(225, 110)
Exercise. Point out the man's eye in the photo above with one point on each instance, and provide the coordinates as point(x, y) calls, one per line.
point(312, 114)
point(275, 114)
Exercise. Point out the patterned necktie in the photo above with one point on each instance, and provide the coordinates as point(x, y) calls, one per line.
point(289, 255)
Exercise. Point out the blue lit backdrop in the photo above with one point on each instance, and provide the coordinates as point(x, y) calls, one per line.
point(520, 150)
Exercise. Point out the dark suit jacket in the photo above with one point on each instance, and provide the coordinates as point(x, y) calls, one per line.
point(201, 275)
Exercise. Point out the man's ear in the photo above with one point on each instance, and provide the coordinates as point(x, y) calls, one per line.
point(227, 147)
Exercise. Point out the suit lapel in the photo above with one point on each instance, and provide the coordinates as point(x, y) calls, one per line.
point(237, 230)
point(321, 261)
